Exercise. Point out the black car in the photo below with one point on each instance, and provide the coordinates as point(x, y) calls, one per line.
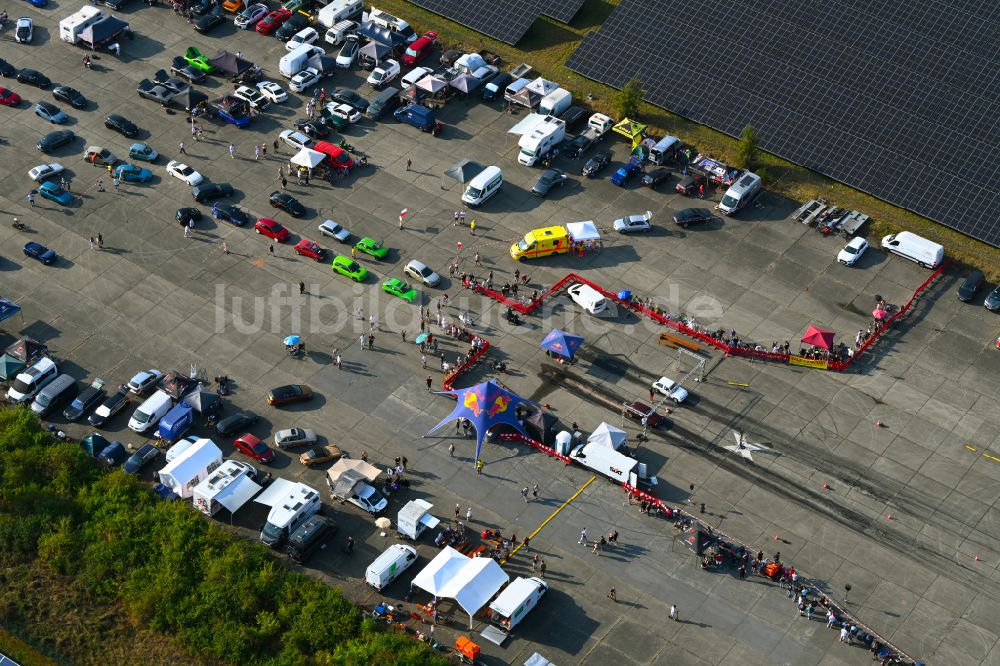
point(689, 216)
point(121, 124)
point(185, 215)
point(549, 179)
point(655, 177)
point(33, 77)
point(973, 281)
point(601, 159)
point(230, 213)
point(572, 116)
point(209, 21)
point(7, 70)
point(141, 458)
point(690, 183)
point(288, 203)
point(70, 95)
point(115, 4)
point(89, 398)
point(181, 68)
point(288, 29)
point(345, 96)
point(992, 301)
point(312, 128)
point(236, 422)
point(211, 192)
point(108, 409)
point(54, 140)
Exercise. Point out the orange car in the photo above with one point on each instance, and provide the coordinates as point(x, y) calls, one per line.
point(232, 5)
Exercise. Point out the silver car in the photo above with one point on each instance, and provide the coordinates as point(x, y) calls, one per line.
point(285, 439)
point(334, 230)
point(422, 273)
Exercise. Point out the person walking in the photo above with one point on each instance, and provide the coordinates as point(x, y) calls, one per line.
point(541, 568)
point(461, 216)
point(302, 288)
point(534, 562)
point(476, 260)
point(93, 243)
point(232, 151)
point(256, 153)
point(270, 249)
point(274, 146)
point(673, 612)
point(284, 183)
point(429, 381)
point(524, 494)
point(583, 537)
point(180, 147)
point(263, 150)
point(844, 635)
point(423, 361)
point(402, 334)
point(472, 227)
point(339, 362)
point(526, 544)
point(408, 163)
point(451, 450)
point(534, 490)
point(458, 511)
point(361, 340)
point(350, 545)
point(100, 242)
point(613, 595)
point(117, 183)
point(225, 247)
point(456, 219)
point(479, 467)
point(354, 252)
point(187, 232)
point(194, 132)
point(468, 515)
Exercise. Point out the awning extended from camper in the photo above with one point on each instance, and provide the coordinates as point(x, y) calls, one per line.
point(308, 158)
point(238, 493)
point(470, 581)
point(277, 491)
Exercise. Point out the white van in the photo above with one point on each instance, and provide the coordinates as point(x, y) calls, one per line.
point(294, 62)
point(741, 193)
point(387, 20)
point(556, 102)
point(517, 599)
point(588, 298)
point(394, 561)
point(339, 32)
point(915, 248)
point(180, 447)
point(338, 11)
point(664, 150)
point(150, 412)
point(483, 186)
point(32, 379)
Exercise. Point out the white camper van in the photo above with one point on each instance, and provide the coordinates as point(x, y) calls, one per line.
point(556, 102)
point(294, 62)
point(338, 11)
point(229, 486)
point(387, 20)
point(740, 193)
point(915, 248)
point(540, 141)
point(394, 561)
point(191, 467)
point(299, 504)
point(149, 413)
point(517, 599)
point(486, 183)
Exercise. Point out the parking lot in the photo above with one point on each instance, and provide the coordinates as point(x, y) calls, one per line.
point(927, 578)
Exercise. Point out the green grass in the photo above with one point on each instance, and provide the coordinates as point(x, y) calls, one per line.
point(547, 46)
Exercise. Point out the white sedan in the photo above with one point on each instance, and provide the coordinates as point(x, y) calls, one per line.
point(671, 389)
point(253, 97)
point(852, 251)
point(383, 74)
point(633, 223)
point(184, 173)
point(272, 91)
point(23, 30)
point(43, 171)
point(301, 38)
point(334, 230)
point(345, 111)
point(303, 80)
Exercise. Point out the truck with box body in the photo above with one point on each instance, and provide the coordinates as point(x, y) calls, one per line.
point(387, 567)
point(191, 467)
point(540, 141)
point(516, 601)
point(608, 462)
point(71, 26)
point(176, 422)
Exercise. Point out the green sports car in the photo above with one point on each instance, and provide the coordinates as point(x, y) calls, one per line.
point(350, 268)
point(196, 59)
point(397, 287)
point(370, 247)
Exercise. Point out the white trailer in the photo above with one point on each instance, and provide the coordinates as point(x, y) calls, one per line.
point(415, 517)
point(191, 467)
point(71, 26)
point(517, 599)
point(230, 486)
point(542, 138)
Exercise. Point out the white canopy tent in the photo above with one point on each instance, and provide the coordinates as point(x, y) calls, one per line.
point(608, 435)
point(432, 84)
point(583, 231)
point(307, 158)
point(470, 581)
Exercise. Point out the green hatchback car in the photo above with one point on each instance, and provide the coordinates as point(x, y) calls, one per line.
point(371, 247)
point(398, 287)
point(350, 268)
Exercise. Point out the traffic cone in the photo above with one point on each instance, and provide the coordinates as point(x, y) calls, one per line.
point(889, 516)
point(977, 558)
point(826, 486)
point(776, 538)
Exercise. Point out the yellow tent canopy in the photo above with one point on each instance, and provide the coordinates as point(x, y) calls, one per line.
point(630, 129)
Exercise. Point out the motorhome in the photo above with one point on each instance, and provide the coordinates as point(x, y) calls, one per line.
point(540, 140)
point(228, 486)
point(298, 505)
point(387, 567)
point(338, 11)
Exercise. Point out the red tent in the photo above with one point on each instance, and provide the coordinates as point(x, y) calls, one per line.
point(818, 337)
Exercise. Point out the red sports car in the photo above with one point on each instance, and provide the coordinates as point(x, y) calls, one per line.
point(273, 21)
point(253, 447)
point(308, 248)
point(271, 229)
point(9, 97)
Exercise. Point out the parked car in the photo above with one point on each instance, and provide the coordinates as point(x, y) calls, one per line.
point(236, 422)
point(671, 389)
point(626, 171)
point(399, 288)
point(33, 77)
point(301, 38)
point(142, 152)
point(690, 183)
point(24, 30)
point(71, 96)
point(180, 67)
point(349, 268)
point(296, 22)
point(155, 92)
point(638, 411)
point(272, 91)
point(108, 409)
point(145, 455)
point(305, 79)
point(54, 140)
point(685, 218)
point(420, 48)
point(346, 96)
point(598, 161)
point(43, 171)
point(286, 439)
point(250, 16)
point(113, 454)
point(422, 273)
point(7, 70)
point(633, 223)
point(348, 52)
point(852, 251)
point(973, 281)
point(210, 191)
point(230, 213)
point(655, 178)
point(186, 215)
point(344, 111)
point(184, 173)
point(286, 202)
point(39, 252)
point(296, 140)
point(54, 192)
point(320, 454)
point(209, 21)
point(252, 446)
point(273, 21)
point(286, 395)
point(265, 226)
point(311, 249)
point(122, 125)
point(198, 60)
point(130, 173)
point(449, 57)
point(368, 499)
point(253, 97)
point(371, 247)
point(992, 301)
point(100, 156)
point(549, 179)
point(314, 129)
point(8, 97)
point(142, 382)
point(334, 230)
point(88, 399)
point(383, 74)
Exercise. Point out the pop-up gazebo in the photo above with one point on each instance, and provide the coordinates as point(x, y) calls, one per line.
point(470, 581)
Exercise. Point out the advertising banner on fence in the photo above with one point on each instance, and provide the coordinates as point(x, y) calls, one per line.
point(809, 362)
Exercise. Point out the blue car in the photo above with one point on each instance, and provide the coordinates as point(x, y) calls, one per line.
point(143, 152)
point(113, 454)
point(39, 252)
point(53, 192)
point(229, 213)
point(130, 173)
point(234, 111)
point(38, 3)
point(632, 167)
point(50, 112)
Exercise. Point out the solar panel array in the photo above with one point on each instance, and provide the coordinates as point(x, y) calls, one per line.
point(7, 661)
point(898, 99)
point(504, 20)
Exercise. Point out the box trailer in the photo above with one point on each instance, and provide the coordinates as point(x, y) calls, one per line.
point(191, 467)
point(230, 486)
point(517, 599)
point(71, 26)
point(415, 518)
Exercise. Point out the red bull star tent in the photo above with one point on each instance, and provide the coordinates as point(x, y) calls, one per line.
point(484, 405)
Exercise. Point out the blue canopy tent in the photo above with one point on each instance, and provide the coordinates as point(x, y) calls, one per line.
point(561, 343)
point(8, 308)
point(484, 405)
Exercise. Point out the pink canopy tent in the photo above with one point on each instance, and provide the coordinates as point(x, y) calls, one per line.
point(818, 337)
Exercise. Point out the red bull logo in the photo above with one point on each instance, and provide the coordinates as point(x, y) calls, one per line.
point(471, 402)
point(499, 405)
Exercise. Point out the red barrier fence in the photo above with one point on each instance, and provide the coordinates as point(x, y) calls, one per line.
point(469, 362)
point(681, 327)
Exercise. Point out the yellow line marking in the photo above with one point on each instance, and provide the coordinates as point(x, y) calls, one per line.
point(986, 455)
point(971, 448)
point(553, 515)
point(738, 384)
